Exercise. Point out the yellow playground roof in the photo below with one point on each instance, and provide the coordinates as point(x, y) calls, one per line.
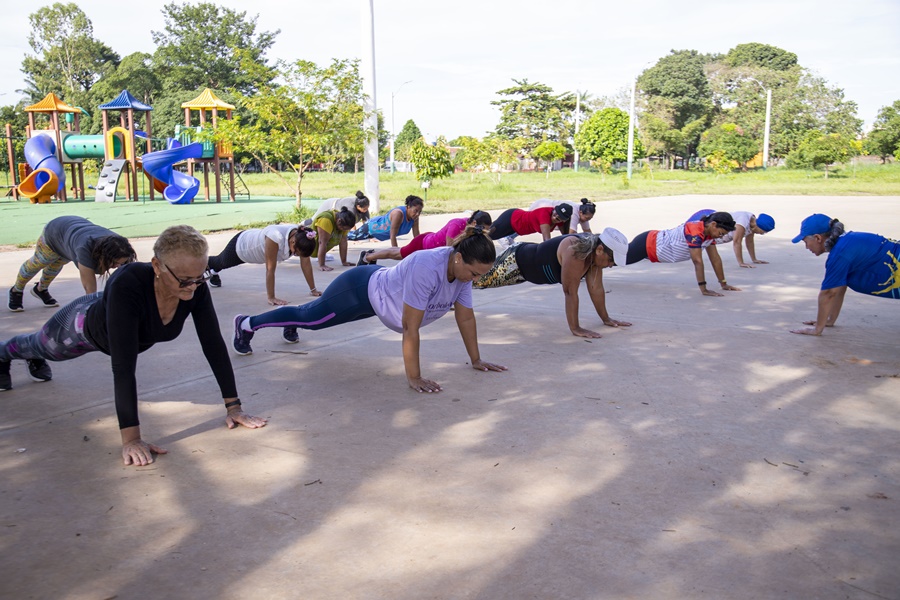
point(52, 103)
point(207, 100)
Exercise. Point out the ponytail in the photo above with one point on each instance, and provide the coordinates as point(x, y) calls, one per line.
point(474, 245)
point(345, 218)
point(587, 207)
point(480, 217)
point(836, 231)
point(304, 241)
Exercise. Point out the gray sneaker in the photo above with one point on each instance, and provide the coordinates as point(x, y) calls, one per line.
point(15, 300)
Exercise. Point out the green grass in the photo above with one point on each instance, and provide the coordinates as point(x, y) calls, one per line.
point(271, 201)
point(465, 191)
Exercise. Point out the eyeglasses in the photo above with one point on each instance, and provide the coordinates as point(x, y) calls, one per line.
point(183, 283)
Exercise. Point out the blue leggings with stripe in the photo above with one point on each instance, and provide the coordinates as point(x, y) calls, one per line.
point(345, 299)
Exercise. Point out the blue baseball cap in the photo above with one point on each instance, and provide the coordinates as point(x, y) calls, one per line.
point(765, 222)
point(811, 225)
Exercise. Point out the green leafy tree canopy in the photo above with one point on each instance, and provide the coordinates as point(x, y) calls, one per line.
point(604, 138)
point(431, 161)
point(209, 45)
point(730, 142)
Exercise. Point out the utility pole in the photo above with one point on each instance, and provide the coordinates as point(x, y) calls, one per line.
point(631, 128)
point(371, 123)
point(577, 122)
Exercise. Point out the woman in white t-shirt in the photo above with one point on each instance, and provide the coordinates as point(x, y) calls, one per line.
point(268, 246)
point(405, 297)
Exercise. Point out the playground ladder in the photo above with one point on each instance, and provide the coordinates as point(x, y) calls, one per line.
point(109, 180)
point(242, 190)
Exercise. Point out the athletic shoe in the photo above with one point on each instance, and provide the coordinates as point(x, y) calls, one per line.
point(5, 379)
point(362, 258)
point(215, 280)
point(39, 369)
point(44, 296)
point(242, 338)
point(290, 335)
point(15, 300)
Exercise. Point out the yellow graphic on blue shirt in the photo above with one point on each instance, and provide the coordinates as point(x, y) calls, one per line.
point(892, 282)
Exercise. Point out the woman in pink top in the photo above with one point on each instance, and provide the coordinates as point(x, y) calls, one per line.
point(427, 241)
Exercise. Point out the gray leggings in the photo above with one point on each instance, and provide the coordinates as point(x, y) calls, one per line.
point(61, 338)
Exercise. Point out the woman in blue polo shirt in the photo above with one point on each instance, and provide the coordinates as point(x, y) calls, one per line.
point(865, 262)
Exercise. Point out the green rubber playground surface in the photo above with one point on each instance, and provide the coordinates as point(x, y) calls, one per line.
point(22, 221)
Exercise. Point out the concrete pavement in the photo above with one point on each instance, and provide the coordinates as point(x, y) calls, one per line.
point(704, 452)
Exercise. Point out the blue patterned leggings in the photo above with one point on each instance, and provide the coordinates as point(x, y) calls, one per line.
point(61, 338)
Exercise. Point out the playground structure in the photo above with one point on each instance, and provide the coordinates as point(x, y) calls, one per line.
point(215, 154)
point(124, 149)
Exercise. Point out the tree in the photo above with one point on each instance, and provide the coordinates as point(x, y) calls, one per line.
point(820, 149)
point(69, 60)
point(604, 138)
point(134, 73)
point(203, 43)
point(728, 142)
point(549, 152)
point(761, 55)
point(472, 155)
point(316, 115)
point(532, 113)
point(678, 100)
point(431, 161)
point(408, 135)
point(884, 139)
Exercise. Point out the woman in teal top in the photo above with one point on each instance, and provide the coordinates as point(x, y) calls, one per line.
point(397, 221)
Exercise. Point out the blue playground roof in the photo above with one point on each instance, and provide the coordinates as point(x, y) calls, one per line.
point(124, 101)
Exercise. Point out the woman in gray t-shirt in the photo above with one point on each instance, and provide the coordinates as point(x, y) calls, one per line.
point(95, 251)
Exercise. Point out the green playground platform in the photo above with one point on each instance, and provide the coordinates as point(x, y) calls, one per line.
point(22, 221)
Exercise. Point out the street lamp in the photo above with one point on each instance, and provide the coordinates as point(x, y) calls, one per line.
point(768, 121)
point(394, 93)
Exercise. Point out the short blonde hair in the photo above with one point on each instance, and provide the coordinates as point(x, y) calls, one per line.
point(182, 239)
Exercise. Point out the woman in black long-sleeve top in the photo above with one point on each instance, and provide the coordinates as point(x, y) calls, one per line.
point(144, 303)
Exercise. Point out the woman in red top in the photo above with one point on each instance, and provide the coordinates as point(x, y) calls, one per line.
point(524, 222)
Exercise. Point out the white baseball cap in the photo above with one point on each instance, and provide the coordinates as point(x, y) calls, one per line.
point(616, 241)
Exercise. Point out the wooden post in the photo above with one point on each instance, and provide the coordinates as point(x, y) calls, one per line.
point(62, 197)
point(206, 180)
point(149, 149)
point(133, 158)
point(11, 155)
point(231, 177)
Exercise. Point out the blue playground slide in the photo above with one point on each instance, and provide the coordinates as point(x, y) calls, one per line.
point(40, 153)
point(180, 188)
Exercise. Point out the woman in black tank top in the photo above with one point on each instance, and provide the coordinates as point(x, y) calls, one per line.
point(566, 260)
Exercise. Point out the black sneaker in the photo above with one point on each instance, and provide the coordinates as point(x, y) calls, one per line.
point(15, 300)
point(362, 258)
point(44, 296)
point(39, 369)
point(242, 338)
point(215, 280)
point(290, 335)
point(5, 379)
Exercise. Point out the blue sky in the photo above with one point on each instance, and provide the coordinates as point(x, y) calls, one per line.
point(456, 55)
